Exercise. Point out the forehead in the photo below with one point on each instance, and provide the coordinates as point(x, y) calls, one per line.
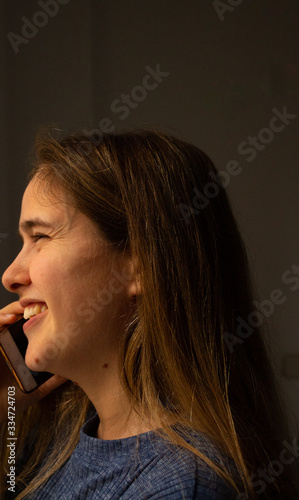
point(53, 208)
point(39, 200)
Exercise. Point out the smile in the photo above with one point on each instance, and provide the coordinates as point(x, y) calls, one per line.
point(34, 309)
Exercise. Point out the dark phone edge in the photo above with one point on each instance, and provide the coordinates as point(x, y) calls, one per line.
point(39, 377)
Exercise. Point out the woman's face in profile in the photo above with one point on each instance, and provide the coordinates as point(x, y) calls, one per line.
point(72, 283)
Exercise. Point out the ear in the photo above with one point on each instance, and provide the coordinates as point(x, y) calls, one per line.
point(133, 278)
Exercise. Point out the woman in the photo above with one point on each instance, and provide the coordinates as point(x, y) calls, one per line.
point(140, 288)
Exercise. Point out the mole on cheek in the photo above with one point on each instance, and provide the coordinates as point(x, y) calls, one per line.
point(105, 365)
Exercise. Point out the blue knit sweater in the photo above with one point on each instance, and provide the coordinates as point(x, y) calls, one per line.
point(119, 469)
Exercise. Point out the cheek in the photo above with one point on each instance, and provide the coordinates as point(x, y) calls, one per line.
point(62, 272)
point(48, 276)
point(79, 288)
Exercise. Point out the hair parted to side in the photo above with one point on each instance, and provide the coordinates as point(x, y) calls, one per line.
point(176, 363)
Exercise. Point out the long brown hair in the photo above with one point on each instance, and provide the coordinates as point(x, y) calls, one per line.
point(183, 358)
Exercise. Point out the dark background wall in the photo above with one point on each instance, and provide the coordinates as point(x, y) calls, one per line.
point(227, 69)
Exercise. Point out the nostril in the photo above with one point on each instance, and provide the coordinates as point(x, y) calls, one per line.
point(15, 286)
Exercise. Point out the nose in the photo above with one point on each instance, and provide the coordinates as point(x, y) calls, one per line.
point(16, 275)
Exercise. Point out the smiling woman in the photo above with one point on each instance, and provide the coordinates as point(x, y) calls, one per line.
point(131, 305)
point(60, 268)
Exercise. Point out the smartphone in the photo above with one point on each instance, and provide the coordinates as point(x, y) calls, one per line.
point(13, 345)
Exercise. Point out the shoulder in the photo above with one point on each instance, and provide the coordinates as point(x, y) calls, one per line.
point(176, 473)
point(146, 467)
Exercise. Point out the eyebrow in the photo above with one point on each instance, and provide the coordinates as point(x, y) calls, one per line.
point(29, 224)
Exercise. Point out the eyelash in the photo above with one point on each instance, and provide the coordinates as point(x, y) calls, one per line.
point(37, 237)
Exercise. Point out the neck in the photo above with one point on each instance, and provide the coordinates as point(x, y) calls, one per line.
point(121, 424)
point(117, 418)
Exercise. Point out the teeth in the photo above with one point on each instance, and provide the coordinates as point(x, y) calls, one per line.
point(36, 310)
point(29, 312)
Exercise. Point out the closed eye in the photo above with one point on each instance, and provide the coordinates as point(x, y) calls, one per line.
point(38, 236)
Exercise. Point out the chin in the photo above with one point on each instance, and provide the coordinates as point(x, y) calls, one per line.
point(36, 363)
point(39, 360)
point(42, 354)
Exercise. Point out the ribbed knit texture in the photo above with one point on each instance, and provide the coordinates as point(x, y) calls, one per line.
point(119, 469)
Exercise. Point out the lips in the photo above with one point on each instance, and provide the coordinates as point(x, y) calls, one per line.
point(34, 308)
